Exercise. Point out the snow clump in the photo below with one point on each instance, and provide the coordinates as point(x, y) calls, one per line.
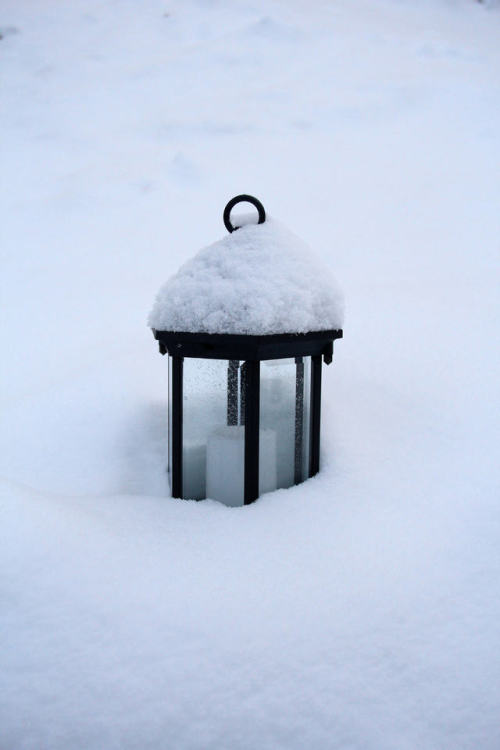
point(259, 280)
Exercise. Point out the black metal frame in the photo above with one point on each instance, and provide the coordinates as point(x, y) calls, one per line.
point(314, 434)
point(249, 350)
point(177, 425)
point(241, 347)
point(252, 430)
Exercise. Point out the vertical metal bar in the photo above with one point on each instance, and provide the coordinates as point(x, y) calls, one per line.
point(315, 415)
point(177, 396)
point(252, 427)
point(299, 418)
point(232, 392)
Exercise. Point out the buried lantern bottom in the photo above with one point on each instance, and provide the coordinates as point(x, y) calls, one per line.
point(239, 429)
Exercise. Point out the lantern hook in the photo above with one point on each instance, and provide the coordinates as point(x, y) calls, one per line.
point(242, 199)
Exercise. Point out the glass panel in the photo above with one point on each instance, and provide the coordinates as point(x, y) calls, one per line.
point(284, 410)
point(213, 450)
point(277, 413)
point(225, 451)
point(205, 413)
point(213, 430)
point(226, 464)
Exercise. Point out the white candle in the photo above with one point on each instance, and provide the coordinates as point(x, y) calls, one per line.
point(194, 457)
point(226, 464)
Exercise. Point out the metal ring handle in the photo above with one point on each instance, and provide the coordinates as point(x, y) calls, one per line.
point(242, 199)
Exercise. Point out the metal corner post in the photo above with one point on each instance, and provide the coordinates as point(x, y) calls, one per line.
point(315, 414)
point(252, 428)
point(177, 397)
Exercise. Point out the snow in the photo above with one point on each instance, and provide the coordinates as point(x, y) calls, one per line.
point(360, 609)
point(258, 280)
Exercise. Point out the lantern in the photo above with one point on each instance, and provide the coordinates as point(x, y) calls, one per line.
point(246, 325)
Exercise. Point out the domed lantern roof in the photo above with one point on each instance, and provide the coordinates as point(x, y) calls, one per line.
point(258, 296)
point(258, 281)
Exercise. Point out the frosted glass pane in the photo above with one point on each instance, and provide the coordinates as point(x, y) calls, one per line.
point(204, 411)
point(277, 412)
point(284, 408)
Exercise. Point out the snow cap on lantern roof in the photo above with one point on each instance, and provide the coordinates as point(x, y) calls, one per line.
point(258, 280)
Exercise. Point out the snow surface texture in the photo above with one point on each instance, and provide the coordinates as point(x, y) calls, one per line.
point(260, 279)
point(360, 610)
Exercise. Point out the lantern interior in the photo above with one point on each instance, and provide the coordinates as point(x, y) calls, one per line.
point(213, 436)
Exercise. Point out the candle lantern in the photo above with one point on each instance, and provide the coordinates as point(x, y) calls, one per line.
point(246, 325)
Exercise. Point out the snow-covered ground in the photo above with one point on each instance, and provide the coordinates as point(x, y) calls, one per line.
point(360, 610)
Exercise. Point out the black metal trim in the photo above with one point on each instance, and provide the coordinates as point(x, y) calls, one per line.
point(315, 415)
point(252, 429)
point(328, 354)
point(243, 347)
point(299, 418)
point(177, 397)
